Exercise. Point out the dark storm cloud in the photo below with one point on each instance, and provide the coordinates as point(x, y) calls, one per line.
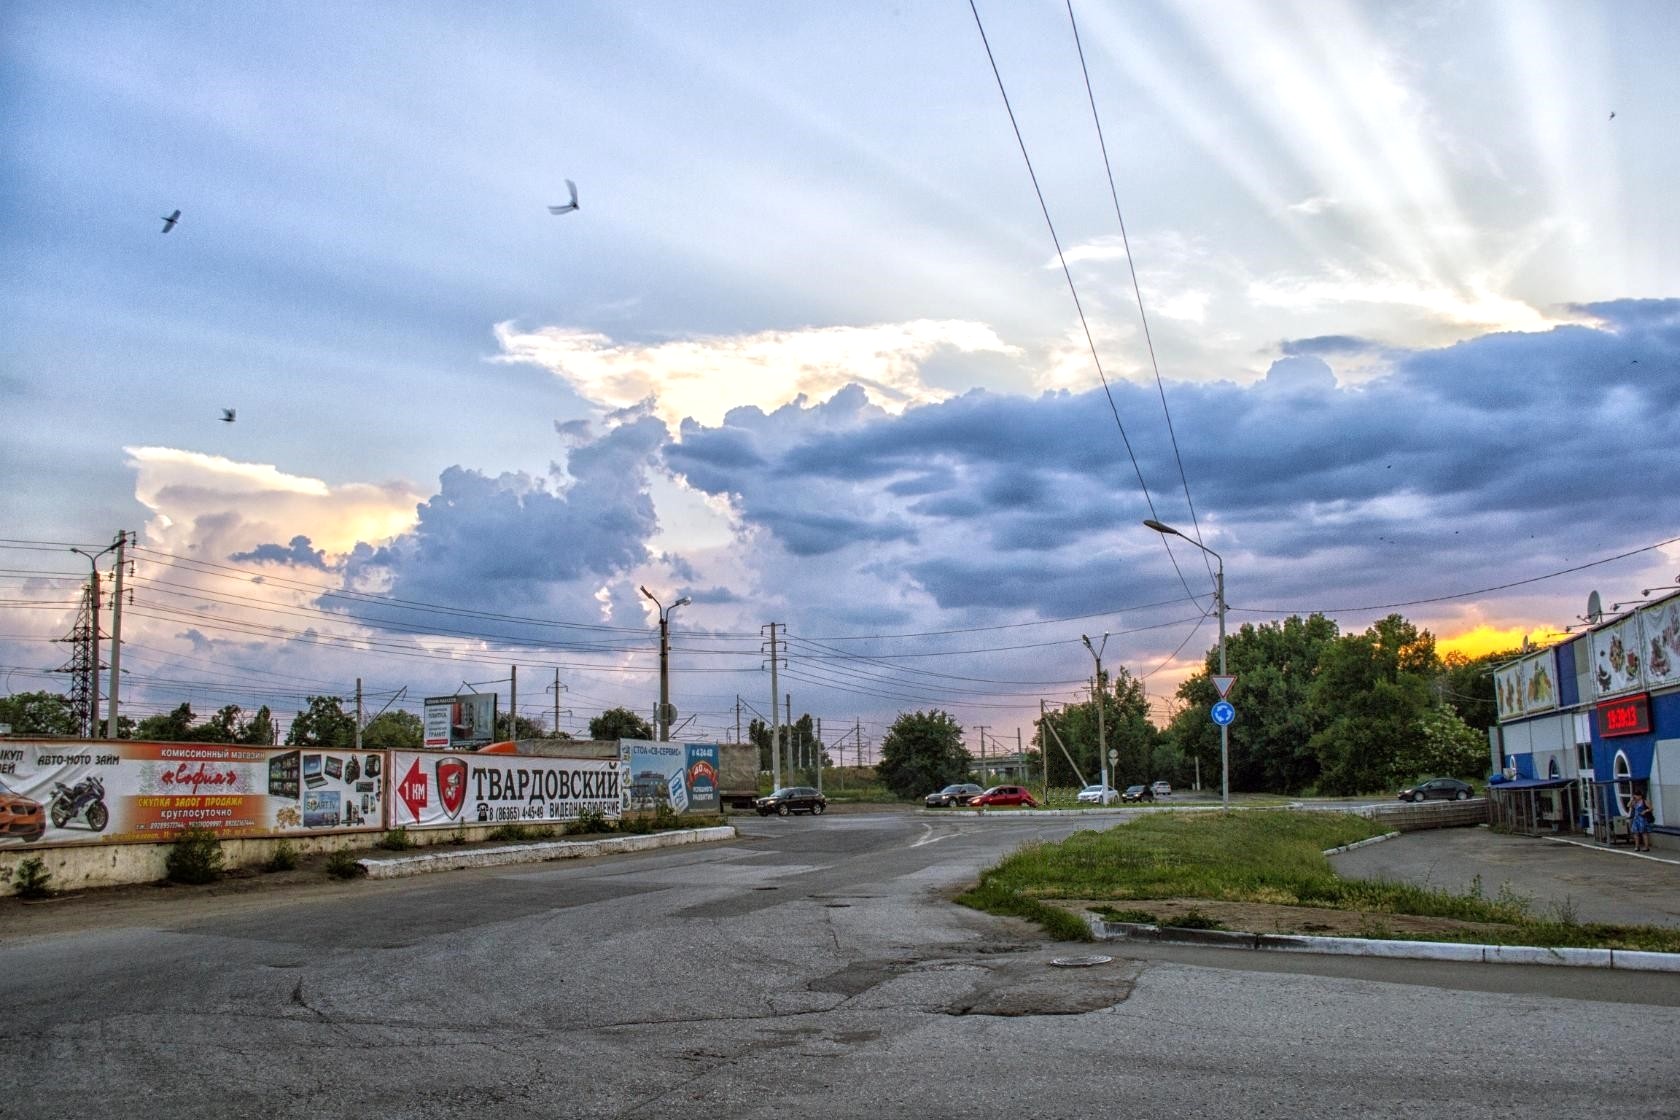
point(1328, 344)
point(1430, 473)
point(515, 542)
point(299, 554)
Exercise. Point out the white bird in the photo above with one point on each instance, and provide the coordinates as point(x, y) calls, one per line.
point(571, 187)
point(227, 415)
point(169, 222)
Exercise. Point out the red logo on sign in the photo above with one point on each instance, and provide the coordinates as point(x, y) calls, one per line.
point(452, 784)
point(412, 790)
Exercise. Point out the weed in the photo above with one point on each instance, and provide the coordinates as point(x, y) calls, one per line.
point(1375, 928)
point(665, 817)
point(343, 864)
point(32, 878)
point(1193, 919)
point(396, 840)
point(459, 836)
point(519, 832)
point(589, 820)
point(283, 858)
point(1113, 914)
point(195, 857)
point(1565, 912)
point(1476, 887)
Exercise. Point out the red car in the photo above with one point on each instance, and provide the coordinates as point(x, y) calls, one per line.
point(21, 816)
point(1004, 795)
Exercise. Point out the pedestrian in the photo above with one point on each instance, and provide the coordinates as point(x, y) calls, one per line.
point(1639, 823)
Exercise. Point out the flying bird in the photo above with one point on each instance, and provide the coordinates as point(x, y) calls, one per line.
point(227, 415)
point(169, 222)
point(1612, 114)
point(571, 188)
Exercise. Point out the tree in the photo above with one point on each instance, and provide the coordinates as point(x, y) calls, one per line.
point(619, 723)
point(38, 713)
point(394, 730)
point(1275, 665)
point(325, 724)
point(175, 727)
point(922, 751)
point(259, 730)
point(1371, 693)
point(1125, 728)
point(1467, 684)
point(521, 728)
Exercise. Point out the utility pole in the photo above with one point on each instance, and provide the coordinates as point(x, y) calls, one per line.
point(816, 747)
point(982, 729)
point(858, 726)
point(558, 689)
point(1044, 749)
point(663, 716)
point(792, 745)
point(775, 724)
point(513, 705)
point(1097, 695)
point(90, 727)
point(116, 638)
point(738, 718)
point(359, 713)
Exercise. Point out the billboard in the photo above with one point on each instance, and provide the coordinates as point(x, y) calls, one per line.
point(1527, 686)
point(1639, 650)
point(448, 790)
point(460, 723)
point(101, 792)
point(681, 775)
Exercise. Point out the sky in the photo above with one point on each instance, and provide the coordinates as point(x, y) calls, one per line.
point(1379, 302)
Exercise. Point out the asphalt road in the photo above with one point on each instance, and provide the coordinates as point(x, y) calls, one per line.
point(813, 968)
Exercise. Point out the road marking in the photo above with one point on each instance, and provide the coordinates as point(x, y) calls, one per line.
point(930, 838)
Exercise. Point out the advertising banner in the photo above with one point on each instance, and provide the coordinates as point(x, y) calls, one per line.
point(99, 791)
point(447, 790)
point(1527, 686)
point(1618, 657)
point(460, 723)
point(1660, 625)
point(681, 775)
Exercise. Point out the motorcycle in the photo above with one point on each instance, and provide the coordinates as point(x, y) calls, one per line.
point(84, 799)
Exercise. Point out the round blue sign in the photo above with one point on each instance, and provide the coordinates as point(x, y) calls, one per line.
point(1223, 713)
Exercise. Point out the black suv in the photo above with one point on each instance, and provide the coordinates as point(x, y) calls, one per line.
point(957, 794)
point(792, 799)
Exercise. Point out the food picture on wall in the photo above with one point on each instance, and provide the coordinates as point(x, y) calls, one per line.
point(1540, 687)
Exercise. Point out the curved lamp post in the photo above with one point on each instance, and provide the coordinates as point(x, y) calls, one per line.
point(1219, 604)
point(665, 661)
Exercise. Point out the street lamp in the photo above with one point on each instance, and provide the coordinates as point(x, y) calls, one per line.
point(93, 667)
point(1219, 604)
point(665, 661)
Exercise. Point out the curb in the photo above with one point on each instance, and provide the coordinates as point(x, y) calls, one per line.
point(1625, 959)
point(1360, 843)
point(1035, 814)
point(427, 862)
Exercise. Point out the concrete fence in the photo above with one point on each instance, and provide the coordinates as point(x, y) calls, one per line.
point(1409, 816)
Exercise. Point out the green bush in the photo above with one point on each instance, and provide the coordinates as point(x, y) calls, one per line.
point(588, 821)
point(283, 858)
point(32, 878)
point(195, 857)
point(342, 864)
point(396, 840)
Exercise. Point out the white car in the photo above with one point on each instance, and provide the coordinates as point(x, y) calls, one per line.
point(1162, 789)
point(1094, 794)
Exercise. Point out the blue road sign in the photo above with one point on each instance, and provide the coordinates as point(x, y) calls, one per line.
point(1223, 713)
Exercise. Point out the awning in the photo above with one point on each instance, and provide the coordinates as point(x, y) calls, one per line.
point(1531, 783)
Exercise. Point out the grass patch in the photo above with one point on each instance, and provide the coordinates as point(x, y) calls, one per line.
point(343, 864)
point(994, 897)
point(396, 840)
point(283, 858)
point(1115, 914)
point(1275, 857)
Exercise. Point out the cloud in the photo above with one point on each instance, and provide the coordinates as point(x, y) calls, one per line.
point(1328, 344)
point(704, 377)
point(298, 553)
point(213, 506)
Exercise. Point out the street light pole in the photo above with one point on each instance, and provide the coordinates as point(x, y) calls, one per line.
point(665, 661)
point(1219, 605)
point(93, 668)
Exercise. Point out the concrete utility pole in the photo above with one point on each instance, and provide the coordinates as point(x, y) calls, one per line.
point(817, 748)
point(558, 688)
point(116, 637)
point(359, 713)
point(1097, 695)
point(513, 705)
point(980, 727)
point(792, 744)
point(775, 724)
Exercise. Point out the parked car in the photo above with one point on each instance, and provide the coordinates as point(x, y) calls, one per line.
point(792, 799)
point(21, 816)
point(956, 794)
point(1004, 795)
point(1161, 789)
point(1438, 789)
point(1099, 794)
point(1138, 793)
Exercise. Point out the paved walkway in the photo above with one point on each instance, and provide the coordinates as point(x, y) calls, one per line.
point(1590, 881)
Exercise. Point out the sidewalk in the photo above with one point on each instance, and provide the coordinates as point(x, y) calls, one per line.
point(1587, 881)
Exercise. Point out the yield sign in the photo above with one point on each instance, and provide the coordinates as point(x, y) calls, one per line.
point(1223, 684)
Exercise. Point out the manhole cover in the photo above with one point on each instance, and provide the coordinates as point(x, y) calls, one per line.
point(1080, 962)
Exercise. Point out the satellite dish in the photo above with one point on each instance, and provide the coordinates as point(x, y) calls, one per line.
point(1595, 609)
